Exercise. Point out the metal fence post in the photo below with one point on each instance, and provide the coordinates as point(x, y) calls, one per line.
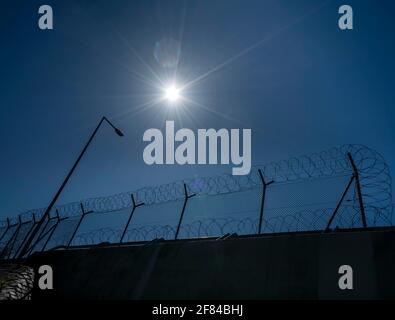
point(339, 203)
point(130, 217)
point(264, 184)
point(358, 186)
point(79, 223)
point(183, 209)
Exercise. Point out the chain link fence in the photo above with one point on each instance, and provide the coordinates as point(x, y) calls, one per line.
point(308, 193)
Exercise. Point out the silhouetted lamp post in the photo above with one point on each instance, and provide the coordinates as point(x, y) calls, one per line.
point(49, 208)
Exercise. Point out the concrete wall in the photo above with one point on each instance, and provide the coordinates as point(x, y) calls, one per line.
point(293, 266)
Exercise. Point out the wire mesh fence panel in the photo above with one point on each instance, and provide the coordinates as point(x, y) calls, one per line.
point(375, 216)
point(301, 194)
point(3, 228)
point(3, 234)
point(62, 234)
point(348, 216)
point(88, 230)
point(42, 235)
point(39, 230)
point(216, 215)
point(18, 239)
point(155, 221)
point(304, 205)
point(147, 223)
point(7, 238)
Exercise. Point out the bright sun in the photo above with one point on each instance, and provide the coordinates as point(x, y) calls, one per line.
point(172, 93)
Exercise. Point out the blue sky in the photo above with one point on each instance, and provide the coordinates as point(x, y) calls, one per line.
point(304, 86)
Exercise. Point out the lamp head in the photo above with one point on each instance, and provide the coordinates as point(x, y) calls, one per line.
point(118, 132)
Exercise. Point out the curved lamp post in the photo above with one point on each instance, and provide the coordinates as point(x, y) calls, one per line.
point(49, 208)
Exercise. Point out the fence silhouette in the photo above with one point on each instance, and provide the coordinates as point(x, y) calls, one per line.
point(344, 187)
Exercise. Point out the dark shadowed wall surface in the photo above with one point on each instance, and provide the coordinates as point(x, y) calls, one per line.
point(284, 266)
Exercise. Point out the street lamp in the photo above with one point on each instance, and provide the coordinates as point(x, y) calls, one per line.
point(49, 208)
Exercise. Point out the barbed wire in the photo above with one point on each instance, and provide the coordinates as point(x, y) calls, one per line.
point(304, 220)
point(374, 176)
point(297, 201)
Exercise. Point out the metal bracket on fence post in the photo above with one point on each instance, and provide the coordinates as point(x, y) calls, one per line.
point(183, 209)
point(339, 203)
point(79, 223)
point(130, 217)
point(358, 185)
point(263, 199)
